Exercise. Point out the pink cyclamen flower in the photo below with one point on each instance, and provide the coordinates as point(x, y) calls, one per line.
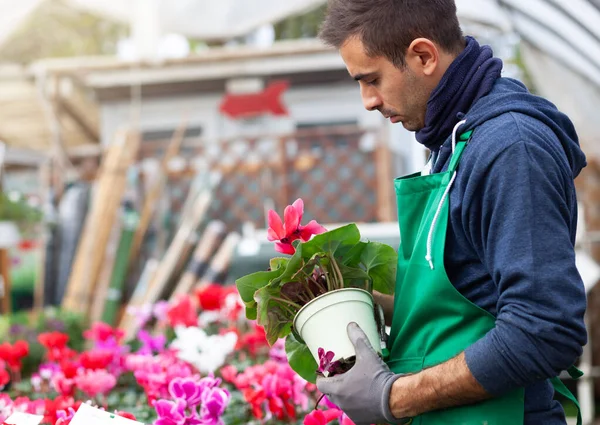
point(321, 417)
point(151, 344)
point(64, 418)
point(170, 412)
point(94, 382)
point(214, 403)
point(62, 384)
point(325, 361)
point(187, 389)
point(283, 233)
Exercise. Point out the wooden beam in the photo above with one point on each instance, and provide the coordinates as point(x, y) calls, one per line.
point(99, 221)
point(155, 193)
point(63, 105)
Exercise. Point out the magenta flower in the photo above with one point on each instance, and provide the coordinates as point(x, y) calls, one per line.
point(325, 361)
point(187, 389)
point(210, 382)
point(151, 344)
point(214, 403)
point(283, 233)
point(322, 417)
point(170, 412)
point(63, 417)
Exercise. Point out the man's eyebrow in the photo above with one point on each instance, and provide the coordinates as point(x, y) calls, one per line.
point(359, 77)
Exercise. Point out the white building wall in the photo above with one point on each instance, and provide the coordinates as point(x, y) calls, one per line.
point(336, 103)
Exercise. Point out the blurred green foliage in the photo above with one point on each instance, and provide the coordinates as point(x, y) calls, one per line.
point(56, 29)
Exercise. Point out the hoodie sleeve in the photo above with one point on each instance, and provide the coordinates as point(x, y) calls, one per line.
point(521, 220)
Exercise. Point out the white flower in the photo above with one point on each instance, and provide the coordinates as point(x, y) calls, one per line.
point(206, 353)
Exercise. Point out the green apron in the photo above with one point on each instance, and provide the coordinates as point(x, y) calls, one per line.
point(432, 321)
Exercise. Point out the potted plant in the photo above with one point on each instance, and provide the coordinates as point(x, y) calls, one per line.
point(309, 297)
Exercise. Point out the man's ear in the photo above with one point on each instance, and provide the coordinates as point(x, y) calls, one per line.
point(422, 56)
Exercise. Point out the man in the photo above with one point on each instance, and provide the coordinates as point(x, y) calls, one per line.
point(489, 305)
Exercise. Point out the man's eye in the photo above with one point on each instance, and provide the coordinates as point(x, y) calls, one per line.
point(373, 82)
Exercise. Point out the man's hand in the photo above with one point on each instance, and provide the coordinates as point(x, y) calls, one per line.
point(363, 393)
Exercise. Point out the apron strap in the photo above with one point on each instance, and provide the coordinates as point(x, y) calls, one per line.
point(460, 147)
point(562, 389)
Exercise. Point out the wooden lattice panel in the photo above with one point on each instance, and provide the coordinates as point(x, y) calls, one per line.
point(327, 168)
point(334, 176)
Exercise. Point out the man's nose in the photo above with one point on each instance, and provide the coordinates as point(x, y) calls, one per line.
point(371, 101)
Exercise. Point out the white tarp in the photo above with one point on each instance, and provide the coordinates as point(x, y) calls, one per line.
point(205, 19)
point(13, 14)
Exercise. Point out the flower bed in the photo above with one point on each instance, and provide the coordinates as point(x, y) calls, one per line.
point(197, 360)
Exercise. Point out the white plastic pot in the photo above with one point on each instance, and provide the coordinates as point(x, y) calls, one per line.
point(322, 323)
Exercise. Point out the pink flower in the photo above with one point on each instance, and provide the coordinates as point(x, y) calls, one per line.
point(321, 417)
point(101, 331)
point(229, 373)
point(187, 389)
point(64, 418)
point(214, 403)
point(287, 231)
point(62, 384)
point(170, 412)
point(94, 382)
point(160, 310)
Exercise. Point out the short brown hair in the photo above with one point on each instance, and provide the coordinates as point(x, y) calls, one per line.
point(388, 27)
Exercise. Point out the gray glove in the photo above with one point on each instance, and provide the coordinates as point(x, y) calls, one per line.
point(363, 393)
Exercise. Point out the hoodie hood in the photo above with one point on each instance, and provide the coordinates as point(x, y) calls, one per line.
point(510, 95)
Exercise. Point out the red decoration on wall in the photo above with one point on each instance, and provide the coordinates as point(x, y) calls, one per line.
point(254, 104)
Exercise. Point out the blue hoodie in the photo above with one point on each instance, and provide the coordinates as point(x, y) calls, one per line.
point(510, 243)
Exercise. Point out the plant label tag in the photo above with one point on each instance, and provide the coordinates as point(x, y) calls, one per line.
point(19, 418)
point(88, 415)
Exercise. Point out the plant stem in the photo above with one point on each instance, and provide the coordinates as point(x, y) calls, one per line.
point(338, 272)
point(326, 273)
point(288, 302)
point(307, 285)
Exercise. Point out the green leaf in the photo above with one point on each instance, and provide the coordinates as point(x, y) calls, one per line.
point(295, 263)
point(352, 258)
point(275, 316)
point(380, 261)
point(355, 277)
point(251, 312)
point(278, 262)
point(300, 359)
point(251, 283)
point(338, 241)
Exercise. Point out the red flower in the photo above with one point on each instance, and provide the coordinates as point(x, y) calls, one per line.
point(4, 378)
point(56, 344)
point(211, 297)
point(59, 403)
point(182, 313)
point(255, 398)
point(96, 359)
point(101, 331)
point(290, 229)
point(12, 354)
point(126, 415)
point(254, 340)
point(69, 369)
point(27, 245)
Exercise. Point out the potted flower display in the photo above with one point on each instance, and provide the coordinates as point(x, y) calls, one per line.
point(310, 296)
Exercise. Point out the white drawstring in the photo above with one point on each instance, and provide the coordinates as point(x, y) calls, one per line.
point(428, 257)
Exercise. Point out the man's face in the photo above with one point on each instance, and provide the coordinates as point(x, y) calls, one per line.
point(399, 94)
